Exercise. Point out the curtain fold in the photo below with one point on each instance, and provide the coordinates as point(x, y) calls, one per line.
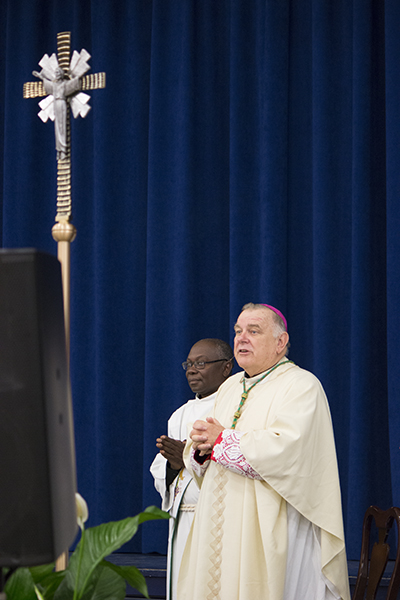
point(392, 289)
point(243, 150)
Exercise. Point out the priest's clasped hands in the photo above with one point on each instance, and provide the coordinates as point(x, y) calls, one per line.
point(204, 434)
point(172, 450)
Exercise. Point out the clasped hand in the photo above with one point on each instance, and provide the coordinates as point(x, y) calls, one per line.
point(172, 450)
point(204, 434)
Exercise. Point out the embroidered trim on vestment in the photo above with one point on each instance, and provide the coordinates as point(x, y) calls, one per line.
point(227, 453)
point(217, 532)
point(199, 469)
point(187, 508)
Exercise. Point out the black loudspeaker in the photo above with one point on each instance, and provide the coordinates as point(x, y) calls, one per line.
point(37, 454)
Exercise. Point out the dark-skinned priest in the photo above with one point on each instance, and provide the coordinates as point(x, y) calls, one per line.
point(268, 523)
point(208, 364)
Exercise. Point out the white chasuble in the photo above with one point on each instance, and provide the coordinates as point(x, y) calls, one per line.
point(249, 535)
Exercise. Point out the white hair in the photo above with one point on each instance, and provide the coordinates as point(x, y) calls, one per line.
point(279, 325)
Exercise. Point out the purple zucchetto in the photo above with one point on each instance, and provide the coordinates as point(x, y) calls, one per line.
point(276, 311)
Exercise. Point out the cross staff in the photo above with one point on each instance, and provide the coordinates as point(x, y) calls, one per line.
point(63, 81)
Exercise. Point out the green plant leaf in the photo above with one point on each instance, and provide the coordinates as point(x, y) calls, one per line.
point(41, 572)
point(102, 585)
point(46, 579)
point(65, 590)
point(132, 575)
point(99, 542)
point(49, 585)
point(105, 585)
point(20, 586)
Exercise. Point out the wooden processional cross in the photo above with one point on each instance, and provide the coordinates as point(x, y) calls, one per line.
point(63, 82)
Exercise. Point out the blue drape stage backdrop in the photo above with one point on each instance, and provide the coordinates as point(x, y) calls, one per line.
point(243, 150)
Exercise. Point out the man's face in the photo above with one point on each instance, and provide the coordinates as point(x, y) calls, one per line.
point(255, 347)
point(204, 382)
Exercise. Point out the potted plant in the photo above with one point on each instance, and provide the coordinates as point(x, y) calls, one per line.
point(88, 575)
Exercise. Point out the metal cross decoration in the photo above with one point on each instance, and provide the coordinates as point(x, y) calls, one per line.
point(63, 82)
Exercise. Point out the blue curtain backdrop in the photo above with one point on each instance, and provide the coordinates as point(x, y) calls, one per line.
point(243, 150)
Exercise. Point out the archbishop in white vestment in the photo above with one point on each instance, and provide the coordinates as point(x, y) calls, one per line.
point(268, 524)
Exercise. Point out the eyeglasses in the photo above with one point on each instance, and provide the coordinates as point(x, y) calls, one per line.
point(199, 365)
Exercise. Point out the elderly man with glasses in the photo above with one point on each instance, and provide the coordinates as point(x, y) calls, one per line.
point(208, 365)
